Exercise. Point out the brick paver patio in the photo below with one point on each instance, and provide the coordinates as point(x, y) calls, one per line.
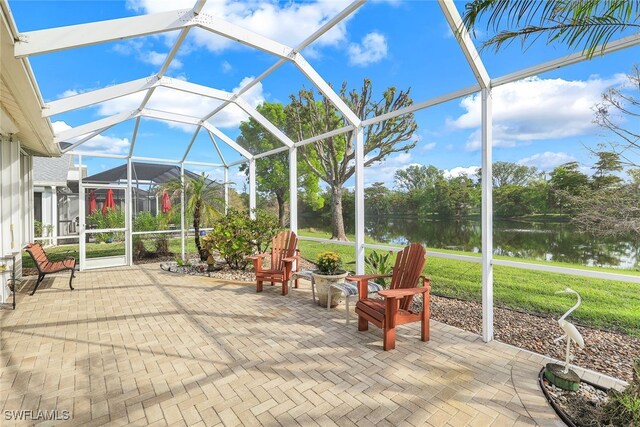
point(141, 346)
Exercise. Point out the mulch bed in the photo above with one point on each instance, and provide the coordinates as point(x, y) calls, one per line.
point(608, 352)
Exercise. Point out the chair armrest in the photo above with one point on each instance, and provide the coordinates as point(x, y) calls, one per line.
point(363, 283)
point(400, 293)
point(367, 277)
point(258, 256)
point(292, 258)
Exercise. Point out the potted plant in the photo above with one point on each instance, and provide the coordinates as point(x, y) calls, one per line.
point(329, 272)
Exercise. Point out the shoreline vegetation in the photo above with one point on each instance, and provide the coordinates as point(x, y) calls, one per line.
point(608, 304)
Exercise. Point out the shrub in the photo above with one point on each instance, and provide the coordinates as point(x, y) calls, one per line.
point(329, 263)
point(145, 221)
point(37, 229)
point(231, 236)
point(263, 230)
point(623, 408)
point(235, 236)
point(139, 250)
point(114, 218)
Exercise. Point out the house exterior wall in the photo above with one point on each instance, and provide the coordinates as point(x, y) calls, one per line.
point(16, 207)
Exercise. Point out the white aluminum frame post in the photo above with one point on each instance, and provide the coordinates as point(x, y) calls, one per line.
point(487, 215)
point(182, 213)
point(293, 189)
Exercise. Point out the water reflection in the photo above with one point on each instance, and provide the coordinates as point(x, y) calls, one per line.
point(546, 241)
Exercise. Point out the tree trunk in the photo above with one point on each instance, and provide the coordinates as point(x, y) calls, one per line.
point(196, 229)
point(337, 222)
point(281, 210)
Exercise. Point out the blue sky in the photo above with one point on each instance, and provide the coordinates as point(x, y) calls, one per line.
point(543, 121)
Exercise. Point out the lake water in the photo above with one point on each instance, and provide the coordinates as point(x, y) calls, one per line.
point(547, 241)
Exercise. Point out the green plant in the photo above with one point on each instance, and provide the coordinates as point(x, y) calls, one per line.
point(114, 218)
point(49, 229)
point(179, 261)
point(623, 408)
point(139, 250)
point(377, 263)
point(37, 228)
point(232, 237)
point(145, 221)
point(329, 263)
point(263, 229)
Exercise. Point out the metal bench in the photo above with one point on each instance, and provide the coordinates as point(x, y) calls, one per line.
point(45, 266)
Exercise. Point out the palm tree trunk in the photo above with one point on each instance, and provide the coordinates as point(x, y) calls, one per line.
point(196, 229)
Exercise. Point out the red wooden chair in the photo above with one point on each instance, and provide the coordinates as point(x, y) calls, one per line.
point(45, 266)
point(395, 308)
point(283, 252)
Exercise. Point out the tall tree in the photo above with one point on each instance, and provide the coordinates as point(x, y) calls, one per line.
point(272, 172)
point(583, 24)
point(508, 173)
point(619, 113)
point(608, 163)
point(416, 177)
point(332, 159)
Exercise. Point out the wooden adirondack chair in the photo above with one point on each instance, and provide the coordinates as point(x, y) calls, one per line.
point(283, 252)
point(395, 308)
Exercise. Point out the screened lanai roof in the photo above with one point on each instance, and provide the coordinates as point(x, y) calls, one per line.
point(148, 172)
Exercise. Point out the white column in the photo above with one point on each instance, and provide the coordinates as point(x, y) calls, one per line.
point(358, 142)
point(81, 217)
point(129, 216)
point(226, 189)
point(293, 189)
point(487, 217)
point(252, 188)
point(54, 215)
point(182, 212)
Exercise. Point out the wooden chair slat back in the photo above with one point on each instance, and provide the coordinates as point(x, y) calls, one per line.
point(37, 253)
point(408, 269)
point(283, 246)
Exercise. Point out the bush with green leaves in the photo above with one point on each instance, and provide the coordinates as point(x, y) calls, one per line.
point(236, 236)
point(114, 218)
point(623, 408)
point(145, 221)
point(37, 228)
point(263, 229)
point(231, 236)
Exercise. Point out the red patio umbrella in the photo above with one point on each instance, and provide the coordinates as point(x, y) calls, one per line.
point(93, 206)
point(166, 202)
point(109, 203)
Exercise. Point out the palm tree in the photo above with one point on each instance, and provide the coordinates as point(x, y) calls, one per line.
point(586, 24)
point(202, 203)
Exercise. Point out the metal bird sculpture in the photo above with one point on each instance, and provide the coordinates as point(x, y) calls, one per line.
point(571, 333)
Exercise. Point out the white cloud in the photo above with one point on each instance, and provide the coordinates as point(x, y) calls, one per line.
point(458, 171)
point(385, 171)
point(547, 160)
point(535, 109)
point(372, 49)
point(99, 143)
point(428, 147)
point(226, 67)
point(188, 104)
point(141, 49)
point(286, 22)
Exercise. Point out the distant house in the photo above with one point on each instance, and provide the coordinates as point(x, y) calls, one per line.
point(55, 196)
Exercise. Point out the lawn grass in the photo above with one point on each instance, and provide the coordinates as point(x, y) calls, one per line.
point(606, 304)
